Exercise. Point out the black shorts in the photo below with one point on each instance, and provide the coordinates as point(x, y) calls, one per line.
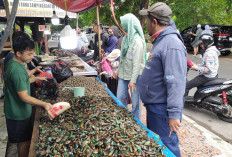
point(19, 130)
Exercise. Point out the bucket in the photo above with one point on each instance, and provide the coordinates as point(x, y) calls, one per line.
point(78, 91)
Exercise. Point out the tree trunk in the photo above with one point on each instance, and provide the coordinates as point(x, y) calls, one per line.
point(10, 23)
point(143, 5)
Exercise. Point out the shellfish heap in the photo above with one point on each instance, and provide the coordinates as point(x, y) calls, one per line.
point(92, 87)
point(95, 126)
point(61, 53)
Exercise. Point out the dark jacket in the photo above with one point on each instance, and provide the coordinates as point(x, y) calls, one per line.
point(112, 43)
point(119, 35)
point(104, 43)
point(164, 76)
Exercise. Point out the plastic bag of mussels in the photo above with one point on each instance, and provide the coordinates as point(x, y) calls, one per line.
point(61, 72)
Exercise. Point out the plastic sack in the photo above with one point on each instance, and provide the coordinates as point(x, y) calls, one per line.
point(57, 109)
point(49, 89)
point(43, 74)
point(114, 55)
point(105, 65)
point(61, 72)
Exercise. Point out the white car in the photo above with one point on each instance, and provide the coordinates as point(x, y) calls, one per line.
point(53, 42)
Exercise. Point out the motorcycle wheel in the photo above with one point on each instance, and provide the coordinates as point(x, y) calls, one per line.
point(226, 117)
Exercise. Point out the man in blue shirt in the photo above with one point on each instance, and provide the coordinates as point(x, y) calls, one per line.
point(162, 84)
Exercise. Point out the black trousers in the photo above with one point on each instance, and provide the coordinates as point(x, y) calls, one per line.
point(112, 84)
point(197, 81)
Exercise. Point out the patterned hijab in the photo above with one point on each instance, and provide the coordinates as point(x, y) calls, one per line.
point(132, 26)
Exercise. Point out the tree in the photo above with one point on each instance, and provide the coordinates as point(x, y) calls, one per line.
point(143, 5)
point(120, 9)
point(190, 12)
point(185, 12)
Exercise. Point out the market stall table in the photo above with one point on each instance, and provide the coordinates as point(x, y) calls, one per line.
point(35, 136)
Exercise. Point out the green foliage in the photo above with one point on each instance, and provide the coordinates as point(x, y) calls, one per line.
point(185, 13)
point(191, 12)
point(120, 8)
point(27, 29)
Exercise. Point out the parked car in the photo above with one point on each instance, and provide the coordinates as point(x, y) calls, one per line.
point(222, 37)
point(90, 35)
point(53, 42)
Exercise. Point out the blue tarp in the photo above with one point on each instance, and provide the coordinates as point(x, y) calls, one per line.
point(166, 151)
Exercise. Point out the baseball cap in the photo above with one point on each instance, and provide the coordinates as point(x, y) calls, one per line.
point(159, 10)
point(199, 26)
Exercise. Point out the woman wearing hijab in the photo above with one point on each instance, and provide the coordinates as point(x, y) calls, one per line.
point(132, 62)
point(117, 34)
point(112, 83)
point(112, 42)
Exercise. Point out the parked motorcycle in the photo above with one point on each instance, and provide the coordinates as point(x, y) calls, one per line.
point(215, 96)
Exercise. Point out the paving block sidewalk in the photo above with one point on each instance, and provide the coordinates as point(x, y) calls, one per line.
point(196, 141)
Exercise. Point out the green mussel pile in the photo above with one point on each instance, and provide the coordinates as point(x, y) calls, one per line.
point(94, 126)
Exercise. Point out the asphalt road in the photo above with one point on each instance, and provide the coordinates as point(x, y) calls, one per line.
point(203, 117)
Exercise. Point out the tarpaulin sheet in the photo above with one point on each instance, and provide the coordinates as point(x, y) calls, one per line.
point(76, 6)
point(166, 151)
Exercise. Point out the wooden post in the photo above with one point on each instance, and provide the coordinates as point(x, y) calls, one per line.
point(99, 39)
point(7, 9)
point(77, 25)
point(10, 23)
point(46, 43)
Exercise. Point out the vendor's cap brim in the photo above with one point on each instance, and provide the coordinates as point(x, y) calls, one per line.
point(143, 12)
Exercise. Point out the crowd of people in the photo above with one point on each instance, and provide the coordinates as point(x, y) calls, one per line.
point(160, 83)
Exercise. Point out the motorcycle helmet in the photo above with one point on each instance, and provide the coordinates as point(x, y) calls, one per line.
point(207, 37)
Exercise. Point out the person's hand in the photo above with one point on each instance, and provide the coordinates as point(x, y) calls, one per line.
point(92, 61)
point(41, 78)
point(102, 51)
point(32, 76)
point(38, 69)
point(191, 33)
point(47, 106)
point(174, 124)
point(115, 75)
point(132, 86)
point(194, 66)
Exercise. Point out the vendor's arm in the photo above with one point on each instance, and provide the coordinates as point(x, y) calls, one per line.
point(21, 83)
point(23, 95)
point(33, 71)
point(175, 67)
point(34, 79)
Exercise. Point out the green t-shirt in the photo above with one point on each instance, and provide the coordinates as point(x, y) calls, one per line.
point(198, 33)
point(16, 79)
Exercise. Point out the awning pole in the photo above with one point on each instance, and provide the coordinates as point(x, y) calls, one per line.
point(10, 24)
point(99, 39)
point(77, 25)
